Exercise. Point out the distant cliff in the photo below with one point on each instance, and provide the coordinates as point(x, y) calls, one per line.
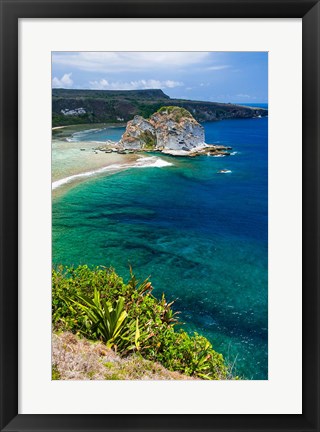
point(118, 106)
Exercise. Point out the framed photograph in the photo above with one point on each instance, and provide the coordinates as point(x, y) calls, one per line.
point(159, 215)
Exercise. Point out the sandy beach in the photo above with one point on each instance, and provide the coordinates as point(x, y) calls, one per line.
point(74, 162)
point(58, 127)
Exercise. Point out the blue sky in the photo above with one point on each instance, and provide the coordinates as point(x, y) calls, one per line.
point(211, 76)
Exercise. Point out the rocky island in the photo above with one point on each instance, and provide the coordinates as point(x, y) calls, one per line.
point(170, 130)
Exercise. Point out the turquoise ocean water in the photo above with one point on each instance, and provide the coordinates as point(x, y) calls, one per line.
point(202, 236)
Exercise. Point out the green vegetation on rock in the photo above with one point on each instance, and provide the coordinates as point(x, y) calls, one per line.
point(176, 112)
point(97, 304)
point(55, 374)
point(148, 139)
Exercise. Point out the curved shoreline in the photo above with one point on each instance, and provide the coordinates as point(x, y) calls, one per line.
point(142, 162)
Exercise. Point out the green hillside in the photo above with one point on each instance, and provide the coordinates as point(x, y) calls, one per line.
point(118, 106)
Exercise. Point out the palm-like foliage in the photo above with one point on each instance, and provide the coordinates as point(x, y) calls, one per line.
point(107, 321)
point(127, 317)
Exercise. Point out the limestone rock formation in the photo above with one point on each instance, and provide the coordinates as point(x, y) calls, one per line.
point(139, 135)
point(170, 128)
point(176, 129)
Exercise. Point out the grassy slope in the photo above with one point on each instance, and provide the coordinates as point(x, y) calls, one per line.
point(75, 358)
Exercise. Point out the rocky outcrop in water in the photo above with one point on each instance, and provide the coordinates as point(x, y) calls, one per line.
point(176, 129)
point(140, 134)
point(170, 129)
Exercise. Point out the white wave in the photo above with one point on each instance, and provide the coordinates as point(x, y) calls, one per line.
point(75, 137)
point(78, 141)
point(151, 162)
point(199, 147)
point(146, 162)
point(233, 153)
point(91, 141)
point(65, 180)
point(86, 131)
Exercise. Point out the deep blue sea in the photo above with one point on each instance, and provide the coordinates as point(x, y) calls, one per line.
point(200, 235)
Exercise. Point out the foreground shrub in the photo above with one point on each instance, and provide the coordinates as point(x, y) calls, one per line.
point(105, 321)
point(128, 318)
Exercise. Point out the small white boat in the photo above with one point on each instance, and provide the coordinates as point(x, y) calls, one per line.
point(224, 171)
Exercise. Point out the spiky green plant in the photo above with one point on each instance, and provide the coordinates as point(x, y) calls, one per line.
point(106, 321)
point(99, 305)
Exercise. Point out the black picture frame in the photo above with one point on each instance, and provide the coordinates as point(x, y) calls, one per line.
point(11, 11)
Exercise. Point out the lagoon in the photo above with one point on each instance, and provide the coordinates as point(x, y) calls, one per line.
point(200, 235)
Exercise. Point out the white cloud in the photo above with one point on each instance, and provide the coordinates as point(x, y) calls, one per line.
point(246, 96)
point(127, 61)
point(63, 82)
point(216, 68)
point(233, 98)
point(103, 84)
